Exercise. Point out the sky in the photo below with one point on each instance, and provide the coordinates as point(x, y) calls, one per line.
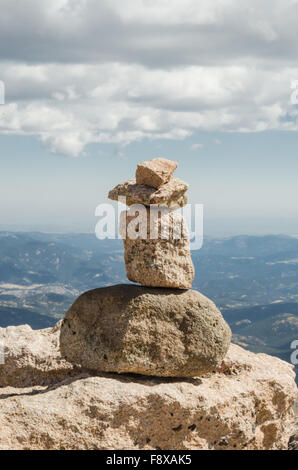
point(93, 87)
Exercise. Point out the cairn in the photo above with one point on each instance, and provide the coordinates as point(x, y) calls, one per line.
point(161, 327)
point(156, 241)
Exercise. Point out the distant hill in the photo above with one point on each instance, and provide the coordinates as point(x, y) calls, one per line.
point(34, 258)
point(268, 329)
point(234, 272)
point(247, 271)
point(265, 328)
point(18, 316)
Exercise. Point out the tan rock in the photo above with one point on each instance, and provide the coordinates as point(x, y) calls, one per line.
point(32, 357)
point(171, 194)
point(293, 442)
point(246, 405)
point(160, 257)
point(133, 329)
point(156, 172)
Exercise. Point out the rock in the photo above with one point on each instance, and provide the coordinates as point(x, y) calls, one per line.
point(245, 405)
point(171, 194)
point(163, 261)
point(293, 442)
point(156, 172)
point(141, 330)
point(32, 357)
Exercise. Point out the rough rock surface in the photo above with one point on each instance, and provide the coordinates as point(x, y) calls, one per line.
point(155, 172)
point(171, 194)
point(293, 442)
point(133, 329)
point(161, 256)
point(32, 357)
point(246, 405)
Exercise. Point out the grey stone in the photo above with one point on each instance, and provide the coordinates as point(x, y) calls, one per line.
point(148, 331)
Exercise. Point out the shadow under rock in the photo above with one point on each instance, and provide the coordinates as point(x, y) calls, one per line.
point(124, 378)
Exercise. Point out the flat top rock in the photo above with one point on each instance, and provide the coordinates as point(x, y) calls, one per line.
point(170, 194)
point(247, 404)
point(155, 172)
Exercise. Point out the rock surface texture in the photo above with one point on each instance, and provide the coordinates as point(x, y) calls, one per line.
point(156, 172)
point(293, 442)
point(247, 404)
point(32, 358)
point(160, 260)
point(171, 194)
point(161, 256)
point(133, 329)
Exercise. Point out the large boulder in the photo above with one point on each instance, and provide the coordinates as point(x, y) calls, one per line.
point(160, 255)
point(247, 404)
point(133, 329)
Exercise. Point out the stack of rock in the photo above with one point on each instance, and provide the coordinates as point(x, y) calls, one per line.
point(160, 328)
point(160, 255)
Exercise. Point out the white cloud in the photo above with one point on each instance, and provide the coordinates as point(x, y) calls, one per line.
point(86, 71)
point(197, 146)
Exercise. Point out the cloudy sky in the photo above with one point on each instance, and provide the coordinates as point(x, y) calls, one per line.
point(94, 86)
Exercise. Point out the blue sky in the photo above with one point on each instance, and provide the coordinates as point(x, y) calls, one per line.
point(247, 182)
point(102, 85)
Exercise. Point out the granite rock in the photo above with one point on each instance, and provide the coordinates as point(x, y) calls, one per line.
point(246, 405)
point(160, 256)
point(133, 329)
point(171, 194)
point(32, 357)
point(155, 172)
